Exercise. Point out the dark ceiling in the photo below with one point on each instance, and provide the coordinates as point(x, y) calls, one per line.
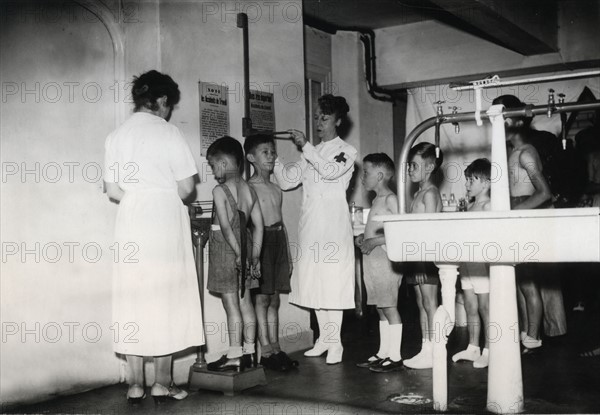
point(528, 27)
point(372, 14)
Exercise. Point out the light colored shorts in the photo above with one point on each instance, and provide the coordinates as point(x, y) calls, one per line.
point(382, 279)
point(475, 276)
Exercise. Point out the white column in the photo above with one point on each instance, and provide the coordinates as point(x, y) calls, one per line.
point(448, 274)
point(505, 383)
point(443, 322)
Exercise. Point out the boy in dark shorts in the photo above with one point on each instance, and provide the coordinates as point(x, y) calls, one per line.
point(274, 259)
point(234, 267)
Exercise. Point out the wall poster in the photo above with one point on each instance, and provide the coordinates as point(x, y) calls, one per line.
point(214, 114)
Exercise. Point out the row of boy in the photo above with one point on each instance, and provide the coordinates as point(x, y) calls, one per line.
point(382, 278)
point(240, 257)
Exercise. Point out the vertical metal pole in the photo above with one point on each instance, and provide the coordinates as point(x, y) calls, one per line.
point(200, 359)
point(242, 22)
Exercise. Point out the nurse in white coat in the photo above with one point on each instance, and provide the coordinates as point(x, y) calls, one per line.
point(149, 170)
point(323, 278)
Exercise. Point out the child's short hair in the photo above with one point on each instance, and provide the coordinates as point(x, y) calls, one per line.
point(382, 161)
point(255, 140)
point(227, 146)
point(480, 168)
point(427, 152)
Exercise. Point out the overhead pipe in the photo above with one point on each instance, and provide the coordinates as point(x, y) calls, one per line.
point(526, 111)
point(367, 37)
point(495, 81)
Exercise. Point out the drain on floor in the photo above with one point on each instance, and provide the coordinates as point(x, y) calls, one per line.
point(410, 399)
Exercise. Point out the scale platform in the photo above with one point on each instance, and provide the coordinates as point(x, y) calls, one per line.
point(230, 383)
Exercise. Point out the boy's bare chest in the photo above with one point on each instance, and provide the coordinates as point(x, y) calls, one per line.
point(268, 194)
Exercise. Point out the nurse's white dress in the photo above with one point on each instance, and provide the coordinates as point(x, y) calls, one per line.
point(156, 302)
point(323, 277)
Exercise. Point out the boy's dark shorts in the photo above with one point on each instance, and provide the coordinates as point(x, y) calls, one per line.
point(275, 261)
point(427, 268)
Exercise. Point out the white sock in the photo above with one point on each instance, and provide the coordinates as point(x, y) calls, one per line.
point(248, 348)
point(234, 351)
point(531, 343)
point(395, 342)
point(384, 339)
point(471, 353)
point(484, 359)
point(522, 335)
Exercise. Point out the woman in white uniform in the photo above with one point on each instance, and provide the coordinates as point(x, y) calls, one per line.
point(149, 169)
point(323, 278)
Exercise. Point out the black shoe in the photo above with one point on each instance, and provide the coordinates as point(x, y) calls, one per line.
point(273, 363)
point(249, 360)
point(388, 365)
point(530, 351)
point(225, 364)
point(286, 361)
point(371, 363)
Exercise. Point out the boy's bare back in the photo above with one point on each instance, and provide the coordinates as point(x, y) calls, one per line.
point(520, 182)
point(243, 194)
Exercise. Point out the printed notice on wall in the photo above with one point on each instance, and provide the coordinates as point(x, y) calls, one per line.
point(262, 110)
point(214, 114)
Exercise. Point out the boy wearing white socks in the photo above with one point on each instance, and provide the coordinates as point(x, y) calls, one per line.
point(475, 277)
point(381, 277)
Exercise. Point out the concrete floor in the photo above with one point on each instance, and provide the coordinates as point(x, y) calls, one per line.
point(556, 381)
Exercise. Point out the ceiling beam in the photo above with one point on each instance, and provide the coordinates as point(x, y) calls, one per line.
point(526, 28)
point(533, 70)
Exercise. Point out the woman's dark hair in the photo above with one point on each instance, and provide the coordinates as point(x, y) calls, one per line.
point(427, 152)
point(334, 105)
point(150, 86)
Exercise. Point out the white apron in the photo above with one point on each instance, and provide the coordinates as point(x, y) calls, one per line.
point(156, 300)
point(323, 276)
point(156, 289)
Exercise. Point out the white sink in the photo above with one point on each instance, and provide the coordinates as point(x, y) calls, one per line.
point(506, 237)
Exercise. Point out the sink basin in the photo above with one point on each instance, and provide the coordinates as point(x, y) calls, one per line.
point(504, 237)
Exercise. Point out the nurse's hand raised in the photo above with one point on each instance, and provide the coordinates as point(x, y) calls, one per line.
point(298, 137)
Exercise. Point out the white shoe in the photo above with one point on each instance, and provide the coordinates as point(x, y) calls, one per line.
point(483, 361)
point(317, 350)
point(471, 354)
point(334, 354)
point(423, 360)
